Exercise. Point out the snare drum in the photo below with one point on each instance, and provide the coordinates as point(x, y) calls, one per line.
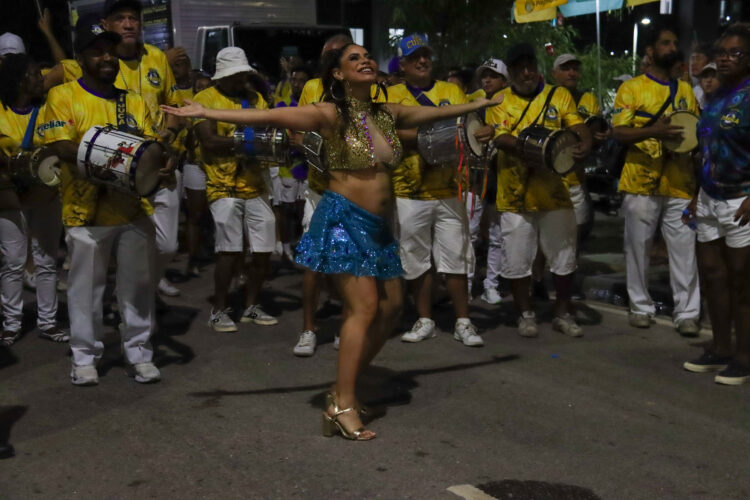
point(265, 144)
point(689, 141)
point(541, 148)
point(446, 141)
point(122, 161)
point(40, 166)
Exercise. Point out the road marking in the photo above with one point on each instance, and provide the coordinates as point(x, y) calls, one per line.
point(469, 492)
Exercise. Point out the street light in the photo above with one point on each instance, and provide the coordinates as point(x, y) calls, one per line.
point(646, 21)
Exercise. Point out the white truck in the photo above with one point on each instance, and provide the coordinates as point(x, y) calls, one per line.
point(265, 29)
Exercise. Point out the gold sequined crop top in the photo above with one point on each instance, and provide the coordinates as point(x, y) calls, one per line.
point(357, 149)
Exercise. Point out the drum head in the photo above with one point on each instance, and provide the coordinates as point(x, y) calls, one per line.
point(473, 123)
point(150, 161)
point(560, 149)
point(689, 122)
point(49, 171)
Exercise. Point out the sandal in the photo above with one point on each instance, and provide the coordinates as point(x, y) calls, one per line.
point(363, 410)
point(331, 425)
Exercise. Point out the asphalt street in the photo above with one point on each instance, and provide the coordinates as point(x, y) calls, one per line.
point(611, 415)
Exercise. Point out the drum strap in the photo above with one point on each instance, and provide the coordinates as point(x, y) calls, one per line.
point(121, 113)
point(420, 96)
point(28, 137)
point(546, 105)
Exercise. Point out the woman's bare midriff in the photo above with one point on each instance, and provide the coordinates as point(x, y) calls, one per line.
point(369, 189)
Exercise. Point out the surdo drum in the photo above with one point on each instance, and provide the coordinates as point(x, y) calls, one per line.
point(122, 161)
point(451, 142)
point(541, 148)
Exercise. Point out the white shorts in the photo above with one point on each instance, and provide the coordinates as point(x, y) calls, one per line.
point(716, 220)
point(193, 177)
point(556, 232)
point(311, 201)
point(437, 228)
point(253, 219)
point(580, 205)
point(285, 189)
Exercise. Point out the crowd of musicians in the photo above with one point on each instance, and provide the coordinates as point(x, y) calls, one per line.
point(365, 214)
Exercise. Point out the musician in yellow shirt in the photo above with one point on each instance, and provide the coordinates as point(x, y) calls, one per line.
point(29, 210)
point(534, 204)
point(657, 184)
point(98, 219)
point(433, 223)
point(236, 192)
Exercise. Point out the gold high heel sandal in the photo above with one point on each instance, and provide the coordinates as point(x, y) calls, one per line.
point(363, 410)
point(331, 425)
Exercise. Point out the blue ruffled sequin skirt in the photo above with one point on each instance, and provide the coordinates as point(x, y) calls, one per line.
point(344, 238)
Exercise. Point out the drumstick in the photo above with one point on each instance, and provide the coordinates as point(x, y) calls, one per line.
point(38, 8)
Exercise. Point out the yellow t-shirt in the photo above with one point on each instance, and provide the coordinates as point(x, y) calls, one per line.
point(283, 91)
point(413, 178)
point(178, 144)
point(588, 105)
point(70, 112)
point(519, 188)
point(649, 169)
point(13, 129)
point(477, 94)
point(149, 76)
point(313, 92)
point(228, 176)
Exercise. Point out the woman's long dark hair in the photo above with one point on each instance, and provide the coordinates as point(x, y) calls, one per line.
point(12, 74)
point(335, 91)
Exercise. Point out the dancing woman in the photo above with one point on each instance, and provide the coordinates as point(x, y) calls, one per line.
point(349, 236)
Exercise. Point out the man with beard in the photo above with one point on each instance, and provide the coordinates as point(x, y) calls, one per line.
point(236, 192)
point(534, 204)
point(657, 184)
point(100, 221)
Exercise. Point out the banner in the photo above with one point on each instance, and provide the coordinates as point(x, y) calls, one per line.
point(633, 3)
point(540, 15)
point(525, 7)
point(582, 7)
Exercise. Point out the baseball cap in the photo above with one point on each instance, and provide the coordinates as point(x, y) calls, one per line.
point(412, 43)
point(565, 59)
point(708, 67)
point(495, 65)
point(11, 44)
point(112, 6)
point(230, 61)
point(520, 51)
point(89, 30)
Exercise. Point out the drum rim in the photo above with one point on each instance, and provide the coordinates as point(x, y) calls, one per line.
point(134, 168)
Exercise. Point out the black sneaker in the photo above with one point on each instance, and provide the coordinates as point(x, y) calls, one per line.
point(733, 374)
point(708, 362)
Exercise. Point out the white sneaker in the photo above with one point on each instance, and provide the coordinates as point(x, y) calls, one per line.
point(144, 373)
point(466, 332)
point(567, 325)
point(491, 296)
point(424, 328)
point(221, 322)
point(278, 249)
point(306, 344)
point(254, 314)
point(84, 375)
point(336, 342)
point(166, 288)
point(527, 324)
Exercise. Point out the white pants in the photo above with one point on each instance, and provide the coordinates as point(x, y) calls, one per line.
point(494, 248)
point(90, 248)
point(166, 218)
point(642, 216)
point(311, 202)
point(437, 228)
point(43, 223)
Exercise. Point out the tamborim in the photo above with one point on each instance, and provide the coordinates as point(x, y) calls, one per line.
point(689, 141)
point(543, 148)
point(264, 144)
point(40, 166)
point(312, 146)
point(122, 161)
point(444, 142)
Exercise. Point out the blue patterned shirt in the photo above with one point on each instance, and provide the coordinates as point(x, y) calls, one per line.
point(724, 134)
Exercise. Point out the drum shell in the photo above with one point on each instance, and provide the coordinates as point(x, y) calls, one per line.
point(268, 145)
point(112, 158)
point(440, 143)
point(536, 146)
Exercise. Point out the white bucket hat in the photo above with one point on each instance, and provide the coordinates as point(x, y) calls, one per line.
point(11, 44)
point(230, 61)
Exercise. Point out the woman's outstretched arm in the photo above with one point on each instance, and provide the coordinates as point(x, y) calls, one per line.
point(414, 116)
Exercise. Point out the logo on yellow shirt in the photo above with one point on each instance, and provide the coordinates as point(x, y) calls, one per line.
point(552, 113)
point(130, 121)
point(730, 119)
point(153, 77)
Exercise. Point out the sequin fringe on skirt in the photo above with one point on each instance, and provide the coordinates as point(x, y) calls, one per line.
point(344, 238)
